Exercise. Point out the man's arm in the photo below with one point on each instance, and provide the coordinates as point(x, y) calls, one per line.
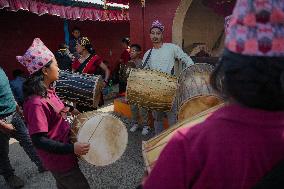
point(182, 56)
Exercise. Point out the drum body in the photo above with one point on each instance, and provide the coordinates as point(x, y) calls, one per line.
point(151, 89)
point(106, 134)
point(124, 71)
point(82, 89)
point(195, 94)
point(152, 148)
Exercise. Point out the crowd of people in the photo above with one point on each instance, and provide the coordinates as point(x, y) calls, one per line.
point(239, 146)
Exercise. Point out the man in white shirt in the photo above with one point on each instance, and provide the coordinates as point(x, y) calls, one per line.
point(162, 57)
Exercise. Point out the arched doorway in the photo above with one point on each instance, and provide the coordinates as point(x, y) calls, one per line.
point(195, 23)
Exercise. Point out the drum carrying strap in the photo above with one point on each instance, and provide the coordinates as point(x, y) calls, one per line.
point(147, 59)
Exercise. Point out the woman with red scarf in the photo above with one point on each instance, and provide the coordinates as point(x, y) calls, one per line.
point(89, 63)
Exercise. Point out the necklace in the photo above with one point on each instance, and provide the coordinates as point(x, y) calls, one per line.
point(82, 59)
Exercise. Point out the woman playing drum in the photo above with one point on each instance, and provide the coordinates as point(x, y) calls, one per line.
point(89, 63)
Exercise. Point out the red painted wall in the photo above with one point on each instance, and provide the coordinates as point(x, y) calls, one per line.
point(18, 29)
point(155, 10)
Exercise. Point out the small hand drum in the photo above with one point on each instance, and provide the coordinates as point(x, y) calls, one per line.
point(106, 134)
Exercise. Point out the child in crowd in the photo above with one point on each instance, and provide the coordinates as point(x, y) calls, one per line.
point(243, 140)
point(76, 36)
point(136, 62)
point(45, 115)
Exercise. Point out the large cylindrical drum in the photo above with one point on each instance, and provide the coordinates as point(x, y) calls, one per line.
point(82, 89)
point(152, 148)
point(106, 134)
point(124, 70)
point(195, 94)
point(151, 89)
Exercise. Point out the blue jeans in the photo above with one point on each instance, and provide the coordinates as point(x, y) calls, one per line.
point(21, 135)
point(135, 110)
point(159, 116)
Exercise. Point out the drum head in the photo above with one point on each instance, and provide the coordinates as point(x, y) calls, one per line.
point(196, 105)
point(107, 136)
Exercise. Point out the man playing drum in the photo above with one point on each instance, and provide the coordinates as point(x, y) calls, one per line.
point(161, 57)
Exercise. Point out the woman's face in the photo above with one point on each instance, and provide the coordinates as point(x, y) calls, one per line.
point(79, 48)
point(52, 72)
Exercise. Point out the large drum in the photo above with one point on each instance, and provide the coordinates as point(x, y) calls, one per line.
point(124, 70)
point(106, 134)
point(151, 89)
point(195, 94)
point(152, 148)
point(82, 89)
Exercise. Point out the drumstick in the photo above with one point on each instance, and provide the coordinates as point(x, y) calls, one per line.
point(95, 130)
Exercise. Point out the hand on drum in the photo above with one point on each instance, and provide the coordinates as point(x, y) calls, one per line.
point(81, 148)
point(75, 112)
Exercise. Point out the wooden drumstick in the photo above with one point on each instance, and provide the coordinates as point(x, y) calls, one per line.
point(95, 130)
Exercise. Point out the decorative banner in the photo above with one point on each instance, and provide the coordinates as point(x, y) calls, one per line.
point(124, 2)
point(80, 3)
point(66, 12)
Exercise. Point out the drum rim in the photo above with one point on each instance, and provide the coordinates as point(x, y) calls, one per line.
point(194, 65)
point(196, 97)
point(175, 128)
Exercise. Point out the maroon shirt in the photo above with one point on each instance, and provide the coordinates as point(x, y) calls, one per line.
point(233, 149)
point(125, 56)
point(42, 118)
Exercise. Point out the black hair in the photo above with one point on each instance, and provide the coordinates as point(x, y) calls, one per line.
point(76, 29)
point(256, 82)
point(136, 46)
point(62, 46)
point(17, 73)
point(126, 40)
point(90, 49)
point(34, 85)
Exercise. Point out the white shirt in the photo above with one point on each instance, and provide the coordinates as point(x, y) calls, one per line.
point(163, 59)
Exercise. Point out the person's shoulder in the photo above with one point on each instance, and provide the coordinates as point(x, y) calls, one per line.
point(12, 82)
point(2, 73)
point(34, 100)
point(96, 58)
point(170, 45)
point(208, 128)
point(147, 52)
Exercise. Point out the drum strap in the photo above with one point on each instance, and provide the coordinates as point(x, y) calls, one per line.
point(147, 59)
point(82, 65)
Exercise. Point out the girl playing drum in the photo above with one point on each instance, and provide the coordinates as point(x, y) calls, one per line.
point(44, 113)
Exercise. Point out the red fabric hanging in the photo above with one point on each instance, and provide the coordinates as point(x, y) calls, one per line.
point(72, 13)
point(124, 2)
